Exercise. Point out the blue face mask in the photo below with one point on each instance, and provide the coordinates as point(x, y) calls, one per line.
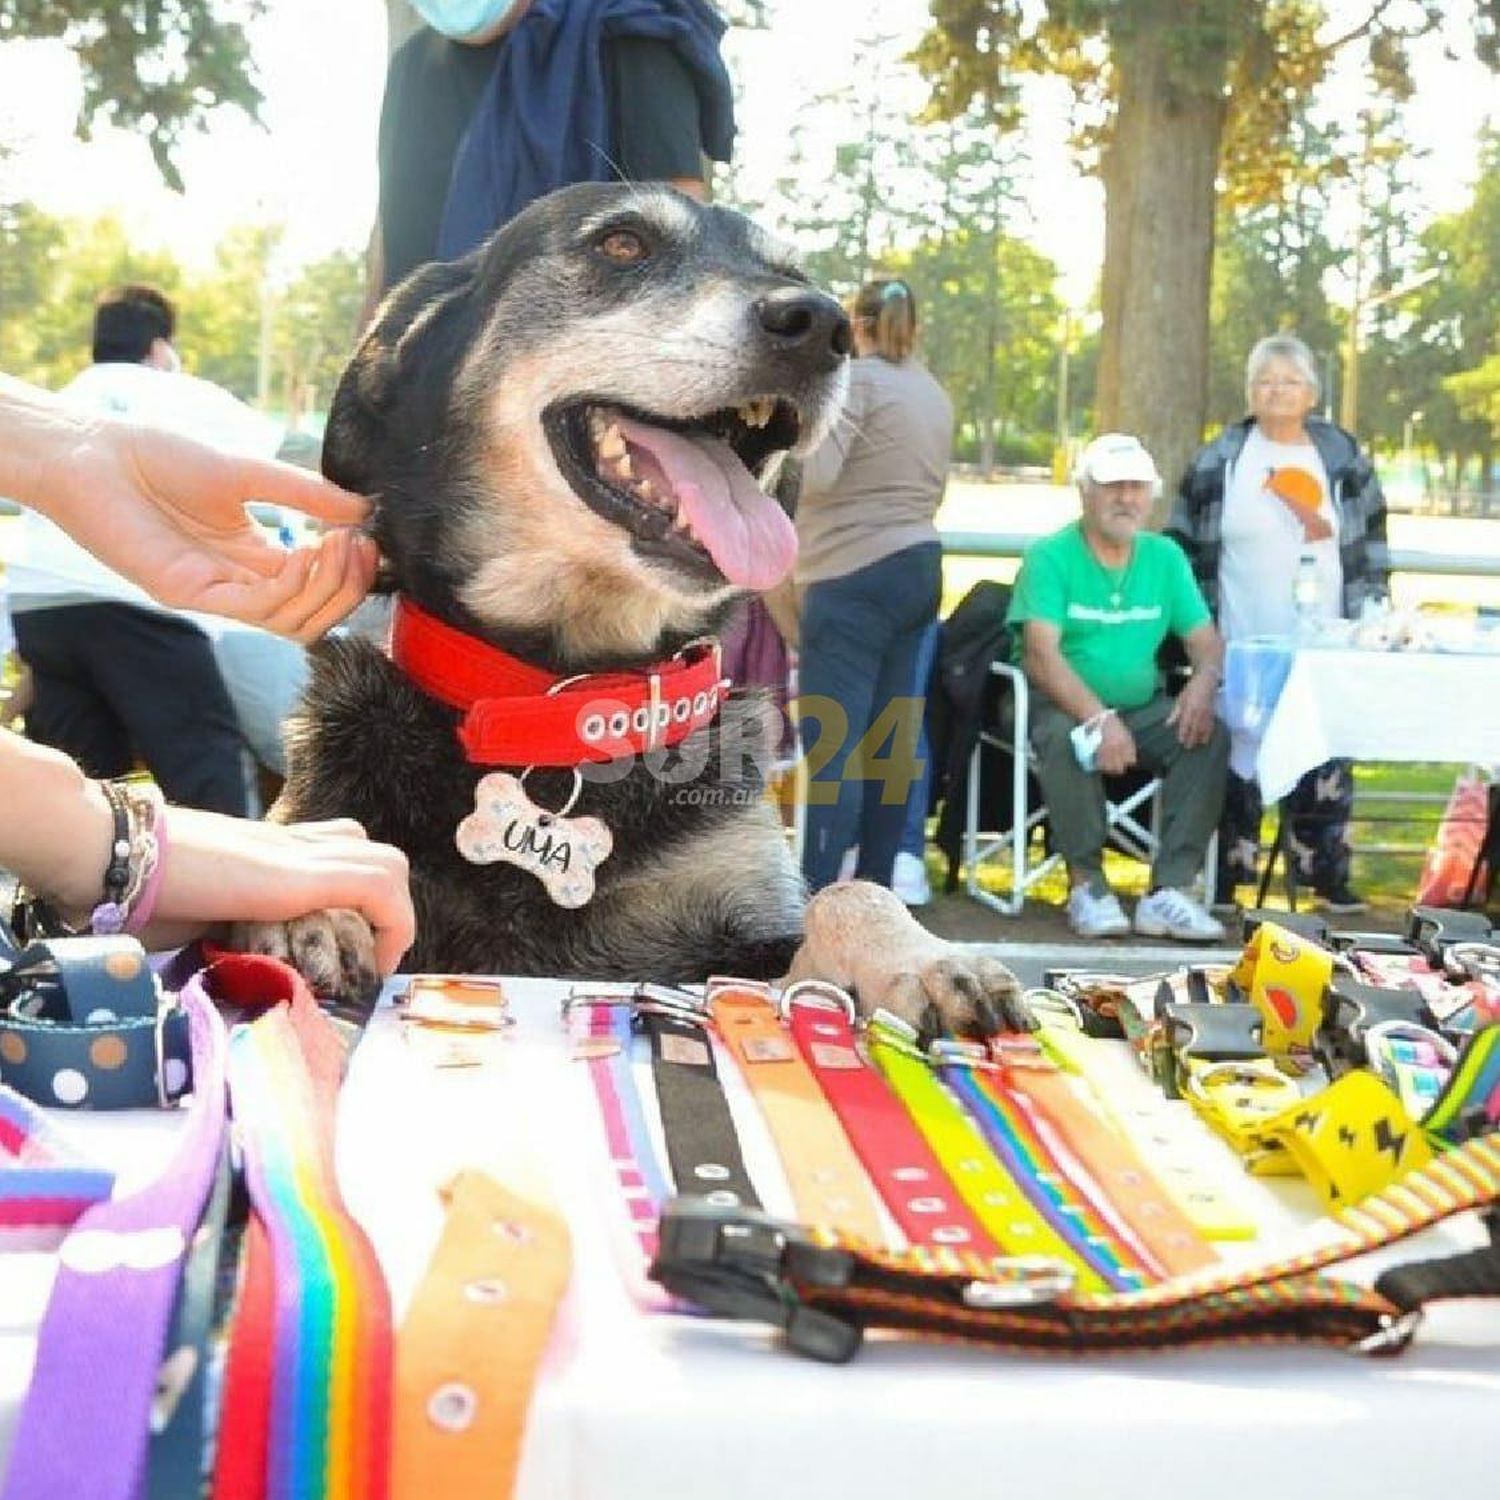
point(472, 21)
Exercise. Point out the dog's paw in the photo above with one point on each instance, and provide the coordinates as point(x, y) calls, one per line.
point(860, 936)
point(333, 950)
point(950, 989)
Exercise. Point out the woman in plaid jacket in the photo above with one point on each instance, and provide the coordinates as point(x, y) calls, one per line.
point(1281, 494)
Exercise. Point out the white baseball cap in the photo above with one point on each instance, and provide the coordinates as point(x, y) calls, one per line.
point(1113, 457)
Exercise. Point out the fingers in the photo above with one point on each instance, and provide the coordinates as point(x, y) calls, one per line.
point(312, 590)
point(299, 490)
point(229, 869)
point(372, 880)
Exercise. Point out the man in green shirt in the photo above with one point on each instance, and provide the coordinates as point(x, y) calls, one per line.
point(1093, 603)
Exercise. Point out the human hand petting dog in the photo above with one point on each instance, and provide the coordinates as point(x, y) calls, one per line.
point(323, 896)
point(169, 513)
point(344, 899)
point(862, 938)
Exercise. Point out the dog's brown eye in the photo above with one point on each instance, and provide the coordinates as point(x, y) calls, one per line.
point(623, 246)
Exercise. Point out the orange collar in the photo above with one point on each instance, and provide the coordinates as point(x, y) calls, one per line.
point(519, 715)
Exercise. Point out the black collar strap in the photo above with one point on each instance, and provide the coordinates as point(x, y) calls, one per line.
point(703, 1148)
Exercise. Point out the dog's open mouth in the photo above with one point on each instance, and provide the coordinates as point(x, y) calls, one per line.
point(685, 490)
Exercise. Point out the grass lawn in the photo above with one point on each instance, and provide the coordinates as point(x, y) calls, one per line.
point(1388, 880)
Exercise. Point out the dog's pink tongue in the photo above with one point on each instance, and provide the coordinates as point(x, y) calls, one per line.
point(748, 535)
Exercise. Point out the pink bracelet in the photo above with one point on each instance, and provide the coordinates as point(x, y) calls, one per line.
point(145, 903)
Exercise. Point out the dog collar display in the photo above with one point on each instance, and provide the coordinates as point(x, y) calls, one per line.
point(602, 1033)
point(1129, 1187)
point(1010, 1218)
point(703, 1147)
point(902, 1165)
point(307, 1396)
point(84, 1025)
point(1351, 1139)
point(1471, 1096)
point(88, 1412)
point(1054, 1195)
point(472, 1341)
point(1139, 1114)
point(43, 1188)
point(828, 1185)
point(825, 1290)
point(519, 715)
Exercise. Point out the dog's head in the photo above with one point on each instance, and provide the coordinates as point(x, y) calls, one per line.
point(567, 433)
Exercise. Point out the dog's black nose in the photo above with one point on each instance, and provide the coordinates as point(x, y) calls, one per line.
point(805, 321)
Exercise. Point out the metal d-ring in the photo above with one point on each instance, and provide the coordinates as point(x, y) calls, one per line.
point(817, 994)
point(573, 796)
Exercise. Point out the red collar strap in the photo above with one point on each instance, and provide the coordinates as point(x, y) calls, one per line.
point(520, 715)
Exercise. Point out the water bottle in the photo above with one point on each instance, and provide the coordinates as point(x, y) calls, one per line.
point(1306, 597)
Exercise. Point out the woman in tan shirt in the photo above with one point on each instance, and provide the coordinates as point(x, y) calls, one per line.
point(869, 570)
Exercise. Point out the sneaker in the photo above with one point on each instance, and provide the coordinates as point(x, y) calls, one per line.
point(1343, 901)
point(1174, 914)
point(909, 880)
point(1092, 915)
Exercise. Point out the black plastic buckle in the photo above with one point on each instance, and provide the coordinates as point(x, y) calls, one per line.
point(1215, 1033)
point(1374, 942)
point(738, 1263)
point(1350, 1008)
point(1432, 928)
point(1306, 924)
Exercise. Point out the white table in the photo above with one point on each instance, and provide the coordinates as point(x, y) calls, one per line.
point(1364, 705)
point(644, 1405)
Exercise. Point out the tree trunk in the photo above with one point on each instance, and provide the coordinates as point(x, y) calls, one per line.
point(1159, 185)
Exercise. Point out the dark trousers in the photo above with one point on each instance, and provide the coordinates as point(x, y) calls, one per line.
point(860, 639)
point(115, 684)
point(1317, 810)
point(1192, 789)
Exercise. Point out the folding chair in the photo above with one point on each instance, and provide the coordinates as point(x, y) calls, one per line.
point(1125, 830)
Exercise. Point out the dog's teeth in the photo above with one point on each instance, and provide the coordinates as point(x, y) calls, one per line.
point(646, 490)
point(622, 466)
point(612, 443)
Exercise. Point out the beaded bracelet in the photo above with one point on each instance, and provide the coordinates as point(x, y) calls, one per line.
point(133, 875)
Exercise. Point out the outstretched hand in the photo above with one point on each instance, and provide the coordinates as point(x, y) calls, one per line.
point(222, 869)
point(169, 513)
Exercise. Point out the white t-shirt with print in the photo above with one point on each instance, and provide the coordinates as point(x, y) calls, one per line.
point(47, 566)
point(1263, 543)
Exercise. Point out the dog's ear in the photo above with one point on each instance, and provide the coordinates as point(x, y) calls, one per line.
point(389, 362)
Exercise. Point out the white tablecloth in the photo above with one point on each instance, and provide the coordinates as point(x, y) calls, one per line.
point(1376, 706)
point(636, 1406)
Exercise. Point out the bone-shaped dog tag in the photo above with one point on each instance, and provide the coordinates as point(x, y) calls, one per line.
point(507, 827)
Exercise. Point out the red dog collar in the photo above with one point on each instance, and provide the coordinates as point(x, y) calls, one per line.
point(520, 715)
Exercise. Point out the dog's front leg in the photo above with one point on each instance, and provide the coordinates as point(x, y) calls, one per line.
point(862, 938)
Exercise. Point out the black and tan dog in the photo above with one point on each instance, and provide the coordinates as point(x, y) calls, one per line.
point(565, 436)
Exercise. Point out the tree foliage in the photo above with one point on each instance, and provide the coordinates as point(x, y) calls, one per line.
point(938, 204)
point(231, 316)
point(1189, 109)
point(156, 66)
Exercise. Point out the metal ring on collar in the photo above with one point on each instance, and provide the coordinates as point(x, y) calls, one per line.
point(1047, 1004)
point(573, 796)
point(817, 994)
